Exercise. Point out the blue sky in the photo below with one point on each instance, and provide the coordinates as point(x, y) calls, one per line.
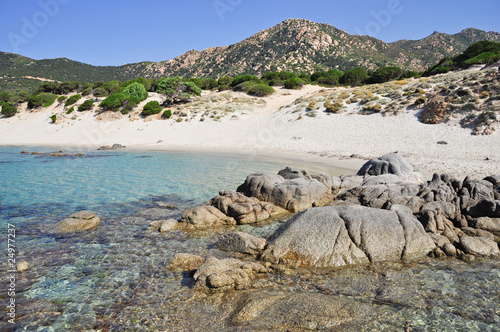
point(118, 32)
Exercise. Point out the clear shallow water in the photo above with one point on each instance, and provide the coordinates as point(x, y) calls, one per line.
point(115, 277)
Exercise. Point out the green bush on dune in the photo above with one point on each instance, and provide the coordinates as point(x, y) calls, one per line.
point(152, 107)
point(41, 100)
point(86, 105)
point(7, 109)
point(73, 99)
point(260, 90)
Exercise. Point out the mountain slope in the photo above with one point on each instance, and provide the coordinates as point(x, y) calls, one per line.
point(293, 45)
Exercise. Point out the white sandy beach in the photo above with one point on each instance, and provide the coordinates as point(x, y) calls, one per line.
point(272, 131)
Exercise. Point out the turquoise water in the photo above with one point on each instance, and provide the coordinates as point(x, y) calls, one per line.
point(114, 278)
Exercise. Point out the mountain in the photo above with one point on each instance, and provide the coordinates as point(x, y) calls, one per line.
point(293, 45)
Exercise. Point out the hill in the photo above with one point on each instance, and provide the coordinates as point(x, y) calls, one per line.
point(294, 45)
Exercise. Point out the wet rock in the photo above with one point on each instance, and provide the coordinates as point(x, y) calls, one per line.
point(115, 146)
point(78, 222)
point(168, 225)
point(348, 235)
point(479, 246)
point(22, 266)
point(387, 164)
point(292, 190)
point(242, 242)
point(185, 262)
point(225, 274)
point(245, 210)
point(273, 311)
point(203, 217)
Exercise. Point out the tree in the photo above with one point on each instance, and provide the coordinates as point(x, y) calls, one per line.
point(86, 105)
point(119, 102)
point(5, 96)
point(293, 83)
point(354, 77)
point(177, 90)
point(386, 74)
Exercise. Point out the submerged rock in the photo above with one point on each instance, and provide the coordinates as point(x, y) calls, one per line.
point(348, 235)
point(225, 274)
point(78, 222)
point(185, 262)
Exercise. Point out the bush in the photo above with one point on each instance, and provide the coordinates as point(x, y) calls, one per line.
point(100, 92)
point(86, 91)
point(5, 96)
point(386, 74)
point(113, 87)
point(71, 109)
point(53, 118)
point(41, 100)
point(331, 77)
point(354, 77)
point(136, 90)
point(167, 114)
point(22, 96)
point(260, 90)
point(152, 107)
point(225, 81)
point(119, 102)
point(244, 86)
point(244, 78)
point(73, 99)
point(7, 109)
point(177, 90)
point(86, 105)
point(293, 83)
point(61, 99)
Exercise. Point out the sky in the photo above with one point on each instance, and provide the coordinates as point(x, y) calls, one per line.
point(109, 32)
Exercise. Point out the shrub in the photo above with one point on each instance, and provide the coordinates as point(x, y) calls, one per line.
point(22, 96)
point(100, 92)
point(53, 118)
point(113, 87)
point(177, 90)
point(260, 90)
point(7, 109)
point(61, 99)
point(244, 86)
point(167, 114)
point(136, 90)
point(386, 74)
point(73, 99)
point(152, 107)
point(71, 109)
point(225, 81)
point(354, 77)
point(41, 100)
point(119, 102)
point(293, 83)
point(5, 96)
point(331, 77)
point(86, 91)
point(86, 105)
point(244, 78)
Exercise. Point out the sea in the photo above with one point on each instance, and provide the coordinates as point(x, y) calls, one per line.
point(115, 278)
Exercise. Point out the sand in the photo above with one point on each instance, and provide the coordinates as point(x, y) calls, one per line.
point(272, 130)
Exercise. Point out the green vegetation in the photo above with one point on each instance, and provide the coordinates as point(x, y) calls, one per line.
point(354, 77)
point(167, 114)
point(136, 90)
point(7, 109)
point(293, 83)
point(73, 99)
point(482, 52)
point(331, 77)
point(53, 118)
point(41, 100)
point(152, 107)
point(86, 105)
point(177, 90)
point(260, 90)
point(119, 102)
point(71, 109)
point(386, 74)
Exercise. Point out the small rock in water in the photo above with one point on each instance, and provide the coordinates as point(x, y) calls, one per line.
point(24, 151)
point(168, 225)
point(185, 262)
point(22, 266)
point(442, 142)
point(78, 222)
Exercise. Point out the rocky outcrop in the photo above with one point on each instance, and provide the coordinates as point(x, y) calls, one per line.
point(435, 109)
point(78, 222)
point(185, 262)
point(242, 242)
point(479, 246)
point(115, 146)
point(387, 164)
point(225, 274)
point(347, 235)
point(292, 190)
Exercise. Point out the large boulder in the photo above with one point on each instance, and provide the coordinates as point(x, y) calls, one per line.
point(346, 235)
point(387, 164)
point(292, 190)
point(479, 246)
point(78, 222)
